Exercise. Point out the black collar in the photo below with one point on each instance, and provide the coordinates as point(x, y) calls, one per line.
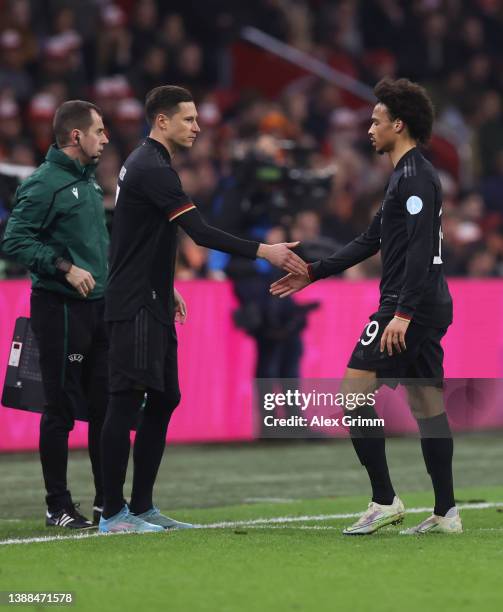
point(160, 147)
point(405, 157)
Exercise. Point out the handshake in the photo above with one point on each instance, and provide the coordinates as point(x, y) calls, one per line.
point(282, 256)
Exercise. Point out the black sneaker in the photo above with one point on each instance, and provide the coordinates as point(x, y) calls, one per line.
point(97, 512)
point(69, 518)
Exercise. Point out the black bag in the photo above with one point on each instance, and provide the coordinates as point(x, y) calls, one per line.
point(23, 388)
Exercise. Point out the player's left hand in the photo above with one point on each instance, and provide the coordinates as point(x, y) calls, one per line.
point(180, 308)
point(289, 284)
point(393, 336)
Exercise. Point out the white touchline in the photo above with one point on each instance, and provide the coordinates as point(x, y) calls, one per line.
point(78, 536)
point(277, 520)
point(269, 500)
point(328, 517)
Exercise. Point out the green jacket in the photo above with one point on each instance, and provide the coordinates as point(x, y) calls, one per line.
point(59, 214)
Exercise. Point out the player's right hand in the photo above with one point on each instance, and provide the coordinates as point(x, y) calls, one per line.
point(80, 279)
point(281, 256)
point(289, 284)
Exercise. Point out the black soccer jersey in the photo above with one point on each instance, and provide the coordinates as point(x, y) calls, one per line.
point(150, 203)
point(143, 244)
point(408, 232)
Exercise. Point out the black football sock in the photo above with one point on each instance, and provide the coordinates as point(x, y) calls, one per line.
point(121, 412)
point(53, 446)
point(437, 446)
point(149, 447)
point(97, 403)
point(370, 446)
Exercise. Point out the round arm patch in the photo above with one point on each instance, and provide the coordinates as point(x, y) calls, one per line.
point(414, 205)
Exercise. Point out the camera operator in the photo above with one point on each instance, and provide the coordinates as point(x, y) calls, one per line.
point(268, 198)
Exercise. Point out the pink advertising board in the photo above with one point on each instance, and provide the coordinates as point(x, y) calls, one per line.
point(217, 360)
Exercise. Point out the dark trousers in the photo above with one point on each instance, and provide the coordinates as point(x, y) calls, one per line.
point(73, 346)
point(279, 358)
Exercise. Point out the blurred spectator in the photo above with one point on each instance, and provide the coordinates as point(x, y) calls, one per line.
point(172, 34)
point(491, 132)
point(108, 91)
point(13, 74)
point(61, 61)
point(18, 17)
point(10, 125)
point(189, 69)
point(492, 185)
point(379, 63)
point(326, 98)
point(482, 263)
point(22, 153)
point(40, 114)
point(270, 16)
point(471, 40)
point(144, 27)
point(128, 124)
point(114, 44)
point(151, 71)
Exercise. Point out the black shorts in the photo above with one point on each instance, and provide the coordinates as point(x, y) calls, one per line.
point(143, 354)
point(423, 359)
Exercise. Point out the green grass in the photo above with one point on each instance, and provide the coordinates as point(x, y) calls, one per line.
point(303, 565)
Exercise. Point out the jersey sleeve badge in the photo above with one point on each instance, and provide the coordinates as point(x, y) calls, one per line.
point(414, 205)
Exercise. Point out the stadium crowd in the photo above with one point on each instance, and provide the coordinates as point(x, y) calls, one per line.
point(304, 152)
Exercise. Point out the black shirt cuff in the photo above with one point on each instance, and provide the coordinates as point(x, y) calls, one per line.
point(62, 268)
point(313, 270)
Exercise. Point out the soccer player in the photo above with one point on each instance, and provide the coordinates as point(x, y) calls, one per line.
point(403, 337)
point(57, 230)
point(142, 305)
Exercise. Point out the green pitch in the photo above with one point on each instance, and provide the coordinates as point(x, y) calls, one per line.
point(272, 517)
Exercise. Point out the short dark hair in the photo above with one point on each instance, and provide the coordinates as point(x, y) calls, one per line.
point(409, 102)
point(165, 99)
point(71, 115)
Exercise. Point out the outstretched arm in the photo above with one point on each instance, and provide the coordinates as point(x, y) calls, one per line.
point(279, 255)
point(163, 187)
point(361, 248)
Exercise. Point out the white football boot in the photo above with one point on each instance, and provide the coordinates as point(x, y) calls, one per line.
point(377, 516)
point(450, 523)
